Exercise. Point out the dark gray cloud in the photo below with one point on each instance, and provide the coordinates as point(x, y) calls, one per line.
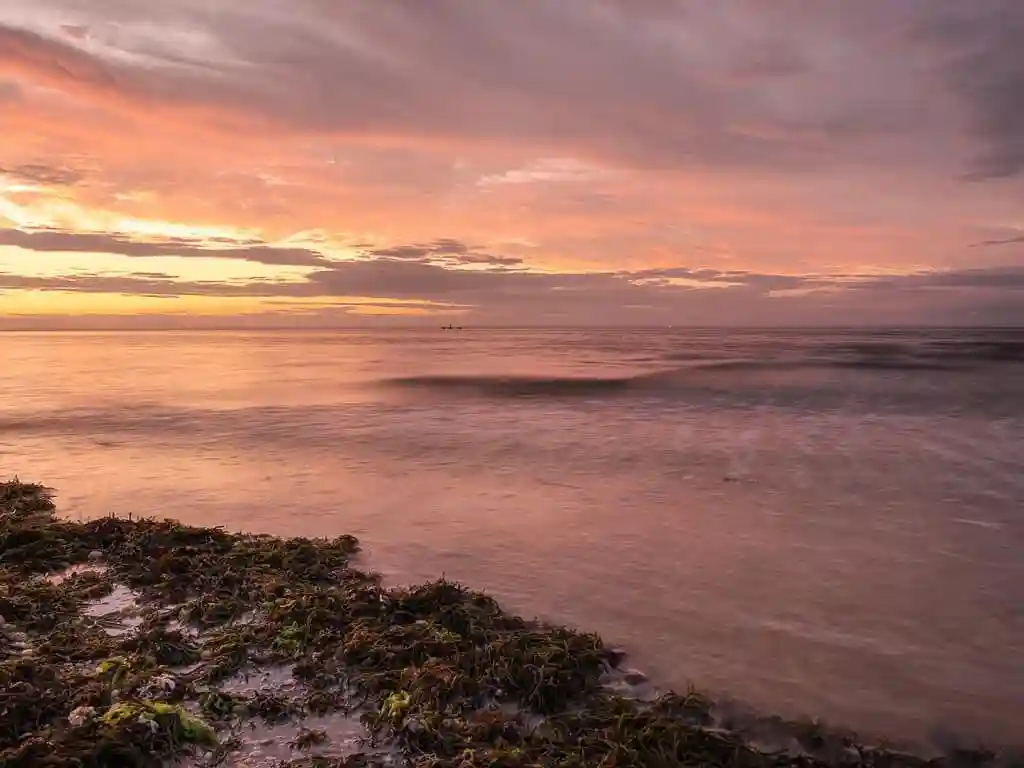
point(740, 83)
point(40, 173)
point(94, 242)
point(1002, 241)
point(985, 67)
point(132, 285)
point(417, 279)
point(445, 252)
point(491, 260)
point(611, 296)
point(404, 252)
point(1002, 278)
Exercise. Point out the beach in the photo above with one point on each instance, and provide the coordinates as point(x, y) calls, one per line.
point(143, 642)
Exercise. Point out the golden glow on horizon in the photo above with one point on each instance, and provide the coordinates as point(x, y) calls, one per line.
point(47, 210)
point(56, 263)
point(399, 311)
point(29, 303)
point(73, 303)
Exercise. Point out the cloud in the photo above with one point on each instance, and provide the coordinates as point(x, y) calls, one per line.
point(1009, 279)
point(490, 260)
point(548, 158)
point(27, 53)
point(1003, 241)
point(546, 170)
point(417, 252)
point(77, 31)
point(985, 67)
point(94, 242)
point(646, 296)
point(738, 84)
point(39, 173)
point(444, 252)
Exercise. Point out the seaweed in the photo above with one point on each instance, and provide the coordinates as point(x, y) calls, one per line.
point(441, 675)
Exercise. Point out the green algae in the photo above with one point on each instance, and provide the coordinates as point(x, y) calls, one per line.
point(395, 706)
point(154, 713)
point(440, 674)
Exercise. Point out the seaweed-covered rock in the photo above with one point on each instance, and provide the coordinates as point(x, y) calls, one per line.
point(163, 639)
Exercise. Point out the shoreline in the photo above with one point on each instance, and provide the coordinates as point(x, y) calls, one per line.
point(138, 640)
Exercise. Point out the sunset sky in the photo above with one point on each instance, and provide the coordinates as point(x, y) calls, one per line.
point(348, 162)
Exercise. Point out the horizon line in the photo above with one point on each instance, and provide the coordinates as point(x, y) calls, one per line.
point(398, 328)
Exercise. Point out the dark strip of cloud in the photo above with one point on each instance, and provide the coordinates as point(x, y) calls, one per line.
point(39, 173)
point(1002, 278)
point(445, 252)
point(490, 259)
point(973, 296)
point(447, 247)
point(1004, 241)
point(95, 242)
point(392, 279)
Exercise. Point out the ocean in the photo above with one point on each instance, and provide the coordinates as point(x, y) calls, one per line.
point(822, 523)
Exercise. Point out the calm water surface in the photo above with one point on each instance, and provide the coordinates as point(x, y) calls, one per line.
point(826, 523)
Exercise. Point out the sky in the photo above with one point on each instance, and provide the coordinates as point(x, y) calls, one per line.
point(308, 163)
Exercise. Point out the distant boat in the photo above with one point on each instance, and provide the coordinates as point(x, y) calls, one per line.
point(451, 327)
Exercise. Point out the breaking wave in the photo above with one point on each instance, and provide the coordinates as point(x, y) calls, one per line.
point(520, 386)
point(675, 378)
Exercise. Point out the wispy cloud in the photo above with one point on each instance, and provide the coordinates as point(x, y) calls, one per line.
point(105, 242)
point(39, 173)
point(1001, 241)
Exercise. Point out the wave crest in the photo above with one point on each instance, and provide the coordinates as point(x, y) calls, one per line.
point(519, 386)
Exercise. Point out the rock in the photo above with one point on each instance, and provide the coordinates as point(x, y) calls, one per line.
point(3, 622)
point(80, 716)
point(795, 748)
point(615, 657)
point(95, 556)
point(852, 756)
point(634, 677)
point(162, 684)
